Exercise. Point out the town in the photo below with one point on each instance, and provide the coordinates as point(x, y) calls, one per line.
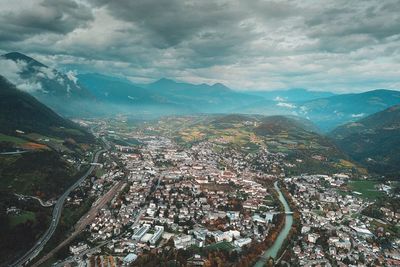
point(197, 204)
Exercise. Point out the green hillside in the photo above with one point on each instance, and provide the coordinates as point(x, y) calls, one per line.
point(43, 137)
point(39, 155)
point(21, 111)
point(374, 141)
point(309, 151)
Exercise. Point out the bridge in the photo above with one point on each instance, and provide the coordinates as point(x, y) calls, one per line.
point(278, 212)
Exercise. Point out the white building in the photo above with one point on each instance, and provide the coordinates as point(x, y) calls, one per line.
point(139, 233)
point(130, 258)
point(242, 242)
point(78, 249)
point(312, 238)
point(183, 241)
point(157, 234)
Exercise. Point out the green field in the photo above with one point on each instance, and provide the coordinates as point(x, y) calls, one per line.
point(221, 245)
point(21, 218)
point(13, 139)
point(366, 188)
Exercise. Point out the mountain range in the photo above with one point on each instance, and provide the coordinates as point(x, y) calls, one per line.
point(93, 94)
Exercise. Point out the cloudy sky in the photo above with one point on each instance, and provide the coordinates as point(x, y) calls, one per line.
point(338, 45)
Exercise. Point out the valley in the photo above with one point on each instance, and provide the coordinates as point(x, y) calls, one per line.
point(217, 133)
point(193, 188)
point(204, 189)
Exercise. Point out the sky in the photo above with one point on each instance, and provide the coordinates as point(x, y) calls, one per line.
point(335, 45)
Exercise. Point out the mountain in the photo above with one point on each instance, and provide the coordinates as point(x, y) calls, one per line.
point(374, 141)
point(116, 90)
point(45, 137)
point(40, 155)
point(57, 90)
point(308, 151)
point(273, 125)
point(120, 95)
point(330, 112)
point(164, 96)
point(21, 111)
point(204, 98)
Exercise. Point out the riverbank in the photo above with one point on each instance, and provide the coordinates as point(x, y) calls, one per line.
point(272, 252)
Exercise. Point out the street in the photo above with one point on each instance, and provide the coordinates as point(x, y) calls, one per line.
point(35, 250)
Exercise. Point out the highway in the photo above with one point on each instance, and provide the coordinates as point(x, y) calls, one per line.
point(84, 221)
point(38, 246)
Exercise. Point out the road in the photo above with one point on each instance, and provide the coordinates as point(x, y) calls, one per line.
point(14, 152)
point(93, 249)
point(85, 220)
point(80, 255)
point(41, 202)
point(37, 248)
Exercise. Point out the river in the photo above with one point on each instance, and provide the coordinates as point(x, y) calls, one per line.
point(273, 251)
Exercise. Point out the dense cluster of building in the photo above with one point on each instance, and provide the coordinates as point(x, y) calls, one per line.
point(334, 232)
point(207, 194)
point(192, 196)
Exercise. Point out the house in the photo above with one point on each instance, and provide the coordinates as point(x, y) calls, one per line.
point(183, 241)
point(196, 260)
point(78, 249)
point(130, 258)
point(242, 242)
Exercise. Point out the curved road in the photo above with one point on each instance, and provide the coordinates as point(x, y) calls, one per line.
point(38, 246)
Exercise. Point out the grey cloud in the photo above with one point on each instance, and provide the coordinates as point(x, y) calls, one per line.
point(245, 44)
point(355, 24)
point(47, 16)
point(172, 22)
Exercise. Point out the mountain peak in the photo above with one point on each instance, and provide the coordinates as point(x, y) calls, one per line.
point(220, 86)
point(165, 81)
point(15, 56)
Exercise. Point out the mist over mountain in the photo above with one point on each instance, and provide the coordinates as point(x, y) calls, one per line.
point(291, 95)
point(216, 98)
point(94, 94)
point(56, 89)
point(330, 112)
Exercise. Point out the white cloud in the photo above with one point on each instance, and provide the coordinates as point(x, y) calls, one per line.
point(31, 87)
point(11, 70)
point(72, 76)
point(286, 105)
point(46, 72)
point(279, 99)
point(359, 115)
